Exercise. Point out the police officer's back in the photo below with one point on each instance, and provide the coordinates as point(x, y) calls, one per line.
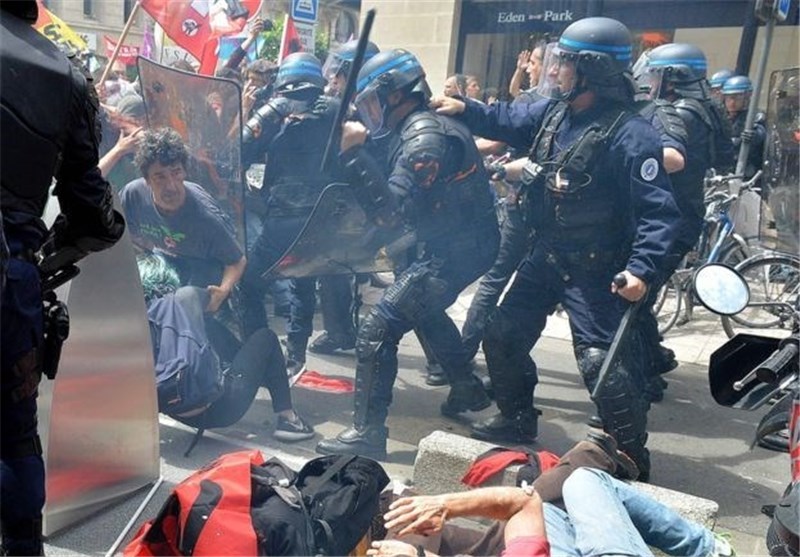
point(47, 116)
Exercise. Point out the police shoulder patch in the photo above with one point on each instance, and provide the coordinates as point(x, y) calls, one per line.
point(649, 169)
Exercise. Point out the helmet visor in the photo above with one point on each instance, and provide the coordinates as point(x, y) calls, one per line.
point(648, 83)
point(559, 73)
point(370, 111)
point(334, 65)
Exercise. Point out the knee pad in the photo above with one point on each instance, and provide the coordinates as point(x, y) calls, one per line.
point(371, 334)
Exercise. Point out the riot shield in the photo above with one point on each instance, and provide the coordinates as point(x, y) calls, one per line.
point(206, 112)
point(338, 238)
point(782, 157)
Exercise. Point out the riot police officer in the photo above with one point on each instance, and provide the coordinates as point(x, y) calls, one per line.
point(336, 291)
point(436, 184)
point(601, 204)
point(289, 132)
point(48, 113)
point(338, 63)
point(736, 93)
point(676, 74)
point(716, 81)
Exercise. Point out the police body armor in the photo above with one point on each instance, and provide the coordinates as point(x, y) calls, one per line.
point(458, 213)
point(31, 122)
point(565, 204)
point(669, 118)
point(718, 132)
point(293, 181)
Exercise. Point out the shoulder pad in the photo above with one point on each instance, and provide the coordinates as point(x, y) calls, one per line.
point(280, 106)
point(671, 121)
point(695, 107)
point(421, 123)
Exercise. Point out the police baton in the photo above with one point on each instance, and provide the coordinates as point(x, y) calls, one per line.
point(620, 280)
point(349, 90)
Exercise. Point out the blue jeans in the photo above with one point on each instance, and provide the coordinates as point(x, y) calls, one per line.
point(608, 517)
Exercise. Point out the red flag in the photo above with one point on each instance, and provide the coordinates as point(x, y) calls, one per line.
point(290, 41)
point(127, 54)
point(192, 23)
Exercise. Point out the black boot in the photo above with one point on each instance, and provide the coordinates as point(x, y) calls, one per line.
point(435, 375)
point(369, 441)
point(22, 538)
point(327, 343)
point(522, 428)
point(464, 396)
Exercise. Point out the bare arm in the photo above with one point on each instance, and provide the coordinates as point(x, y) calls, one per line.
point(427, 514)
point(230, 277)
point(515, 85)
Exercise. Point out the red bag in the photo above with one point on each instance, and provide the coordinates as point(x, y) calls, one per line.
point(208, 513)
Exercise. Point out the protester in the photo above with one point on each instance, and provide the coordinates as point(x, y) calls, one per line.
point(454, 85)
point(599, 515)
point(128, 122)
point(599, 208)
point(177, 219)
point(473, 89)
point(443, 194)
point(529, 63)
point(48, 132)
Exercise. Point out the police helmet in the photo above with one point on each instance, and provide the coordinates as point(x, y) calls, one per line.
point(736, 85)
point(340, 60)
point(599, 48)
point(680, 64)
point(300, 71)
point(719, 78)
point(385, 73)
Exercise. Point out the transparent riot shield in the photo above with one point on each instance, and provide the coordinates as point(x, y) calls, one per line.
point(338, 238)
point(782, 158)
point(207, 113)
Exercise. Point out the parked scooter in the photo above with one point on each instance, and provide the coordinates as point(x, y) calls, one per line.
point(750, 371)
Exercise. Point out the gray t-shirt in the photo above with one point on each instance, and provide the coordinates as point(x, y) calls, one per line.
point(198, 238)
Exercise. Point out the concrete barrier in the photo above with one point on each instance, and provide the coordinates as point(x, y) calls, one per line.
point(443, 458)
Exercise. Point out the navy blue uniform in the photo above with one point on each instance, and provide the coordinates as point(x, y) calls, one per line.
point(620, 214)
point(48, 128)
point(755, 158)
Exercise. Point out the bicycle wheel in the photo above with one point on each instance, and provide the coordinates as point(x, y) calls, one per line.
point(734, 252)
point(771, 278)
point(668, 304)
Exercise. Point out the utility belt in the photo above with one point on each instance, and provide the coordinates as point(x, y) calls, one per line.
point(567, 262)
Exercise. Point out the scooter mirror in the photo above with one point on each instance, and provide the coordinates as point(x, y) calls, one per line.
point(721, 289)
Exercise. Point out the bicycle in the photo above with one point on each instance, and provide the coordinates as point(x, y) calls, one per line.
point(774, 282)
point(718, 243)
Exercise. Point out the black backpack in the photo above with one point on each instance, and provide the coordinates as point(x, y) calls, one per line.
point(324, 509)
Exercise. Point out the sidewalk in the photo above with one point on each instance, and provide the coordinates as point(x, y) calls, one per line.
point(698, 447)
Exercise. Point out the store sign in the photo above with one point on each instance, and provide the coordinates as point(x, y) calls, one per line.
point(547, 15)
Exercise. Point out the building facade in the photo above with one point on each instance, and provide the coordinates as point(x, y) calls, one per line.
point(483, 37)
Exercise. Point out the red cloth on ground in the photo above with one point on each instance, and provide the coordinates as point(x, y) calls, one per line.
point(527, 546)
point(486, 467)
point(318, 382)
point(483, 469)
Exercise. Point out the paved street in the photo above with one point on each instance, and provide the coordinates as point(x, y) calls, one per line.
point(698, 447)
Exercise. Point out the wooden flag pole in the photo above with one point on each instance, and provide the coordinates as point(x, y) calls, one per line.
point(121, 40)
